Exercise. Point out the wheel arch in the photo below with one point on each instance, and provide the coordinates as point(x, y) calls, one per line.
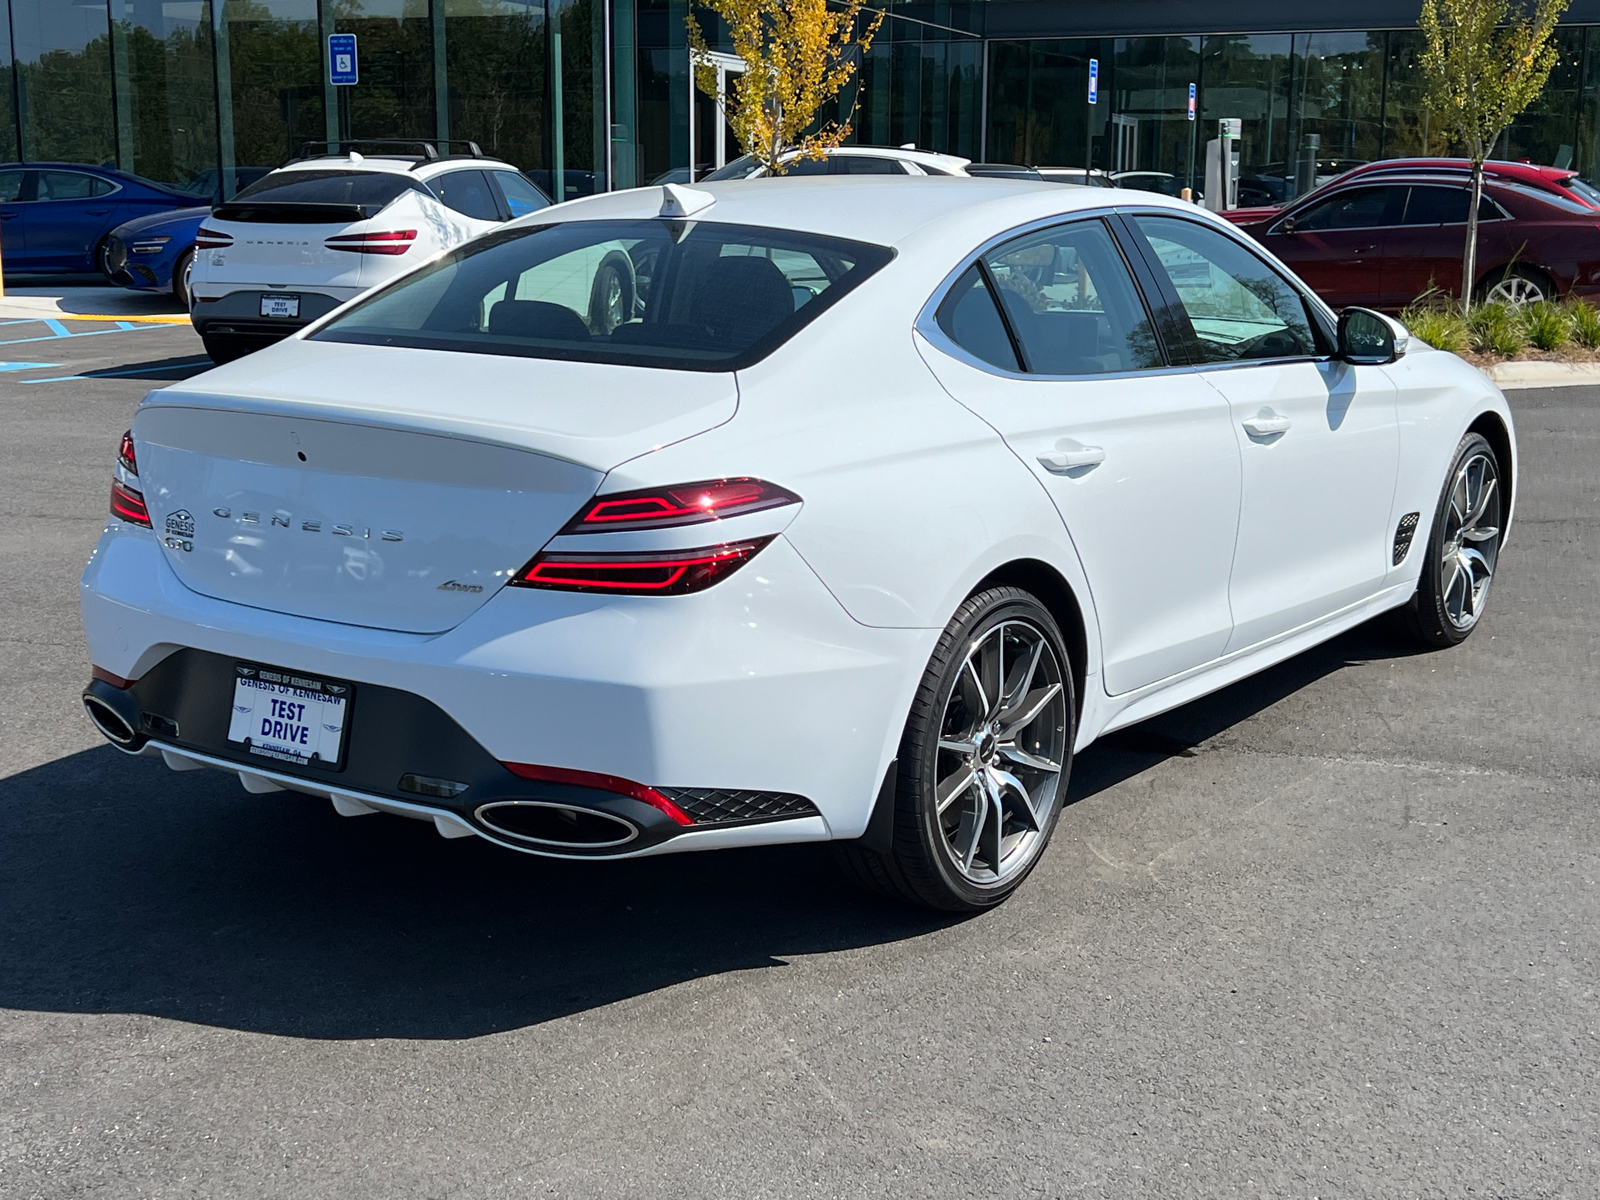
point(1493, 430)
point(1489, 277)
point(1056, 594)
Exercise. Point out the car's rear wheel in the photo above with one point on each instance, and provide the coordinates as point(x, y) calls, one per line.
point(1516, 285)
point(611, 296)
point(181, 271)
point(224, 349)
point(983, 763)
point(1463, 548)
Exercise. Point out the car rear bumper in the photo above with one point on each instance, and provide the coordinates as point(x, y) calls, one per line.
point(761, 685)
point(238, 314)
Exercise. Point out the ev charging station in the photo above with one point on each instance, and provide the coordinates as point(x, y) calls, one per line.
point(1222, 166)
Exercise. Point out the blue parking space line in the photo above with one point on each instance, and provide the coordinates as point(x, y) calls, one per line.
point(21, 366)
point(57, 328)
point(53, 337)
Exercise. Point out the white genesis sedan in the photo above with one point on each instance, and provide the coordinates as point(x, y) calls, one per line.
point(887, 497)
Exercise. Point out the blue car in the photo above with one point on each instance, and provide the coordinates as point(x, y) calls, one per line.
point(54, 217)
point(155, 253)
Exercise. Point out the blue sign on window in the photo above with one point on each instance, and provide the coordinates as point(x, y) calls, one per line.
point(343, 70)
point(1094, 81)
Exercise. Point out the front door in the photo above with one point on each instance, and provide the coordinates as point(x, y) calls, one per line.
point(1318, 438)
point(13, 221)
point(1337, 245)
point(1137, 454)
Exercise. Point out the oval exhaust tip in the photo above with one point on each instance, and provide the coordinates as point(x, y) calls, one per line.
point(109, 721)
point(558, 826)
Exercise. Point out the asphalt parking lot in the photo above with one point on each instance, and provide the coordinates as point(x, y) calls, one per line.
point(1333, 932)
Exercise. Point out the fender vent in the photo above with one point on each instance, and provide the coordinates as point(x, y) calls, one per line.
point(1403, 534)
point(718, 806)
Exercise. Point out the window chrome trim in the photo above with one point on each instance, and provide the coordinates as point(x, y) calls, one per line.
point(928, 325)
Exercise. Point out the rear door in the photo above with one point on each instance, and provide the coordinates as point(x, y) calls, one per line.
point(1047, 338)
point(70, 214)
point(1317, 438)
point(1337, 246)
point(1425, 250)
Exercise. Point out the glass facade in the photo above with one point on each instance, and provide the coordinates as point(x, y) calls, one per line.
point(587, 95)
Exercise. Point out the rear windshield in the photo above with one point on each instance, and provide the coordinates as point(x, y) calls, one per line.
point(370, 188)
point(691, 296)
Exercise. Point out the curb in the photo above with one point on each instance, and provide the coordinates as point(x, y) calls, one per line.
point(1512, 375)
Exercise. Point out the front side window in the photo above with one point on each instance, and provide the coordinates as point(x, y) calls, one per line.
point(521, 196)
point(71, 185)
point(1240, 308)
point(1358, 208)
point(1071, 303)
point(700, 296)
point(10, 185)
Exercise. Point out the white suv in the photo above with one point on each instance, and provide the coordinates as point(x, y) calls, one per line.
point(851, 160)
point(299, 242)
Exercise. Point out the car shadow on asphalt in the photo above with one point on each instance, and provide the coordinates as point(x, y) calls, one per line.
point(125, 887)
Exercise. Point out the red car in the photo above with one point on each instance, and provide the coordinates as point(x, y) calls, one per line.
point(1382, 235)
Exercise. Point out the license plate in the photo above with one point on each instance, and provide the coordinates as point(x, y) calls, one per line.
point(280, 306)
point(288, 716)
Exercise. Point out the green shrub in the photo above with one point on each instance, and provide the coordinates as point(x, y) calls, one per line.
point(1496, 329)
point(1442, 328)
point(1585, 319)
point(1548, 326)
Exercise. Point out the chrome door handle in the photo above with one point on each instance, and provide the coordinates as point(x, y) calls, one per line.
point(1071, 456)
point(1266, 424)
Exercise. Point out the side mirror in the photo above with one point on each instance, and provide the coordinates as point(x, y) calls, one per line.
point(1287, 226)
point(1368, 338)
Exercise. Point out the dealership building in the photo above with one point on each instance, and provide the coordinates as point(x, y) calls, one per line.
point(598, 93)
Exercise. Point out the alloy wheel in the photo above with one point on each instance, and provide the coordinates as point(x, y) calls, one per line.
point(1471, 542)
point(1002, 742)
point(1515, 290)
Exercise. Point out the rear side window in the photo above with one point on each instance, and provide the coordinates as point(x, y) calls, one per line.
point(468, 193)
point(1071, 302)
point(71, 185)
point(856, 164)
point(368, 188)
point(1430, 205)
point(698, 297)
point(970, 319)
point(1358, 208)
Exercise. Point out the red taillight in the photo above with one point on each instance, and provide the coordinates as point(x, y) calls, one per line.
point(128, 505)
point(604, 783)
point(212, 239)
point(396, 241)
point(125, 456)
point(665, 573)
point(681, 504)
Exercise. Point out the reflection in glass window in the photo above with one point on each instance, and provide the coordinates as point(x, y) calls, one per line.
point(1358, 208)
point(717, 298)
point(1071, 302)
point(521, 196)
point(71, 185)
point(274, 96)
point(1446, 206)
point(495, 64)
point(165, 92)
point(63, 64)
point(1240, 307)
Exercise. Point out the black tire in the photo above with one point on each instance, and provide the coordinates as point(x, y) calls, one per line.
point(923, 865)
point(102, 262)
point(1521, 285)
point(1457, 568)
point(611, 295)
point(180, 278)
point(225, 349)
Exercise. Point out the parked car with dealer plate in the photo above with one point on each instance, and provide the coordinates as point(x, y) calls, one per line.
point(301, 241)
point(884, 498)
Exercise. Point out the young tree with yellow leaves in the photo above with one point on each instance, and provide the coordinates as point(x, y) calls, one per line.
point(1483, 67)
point(798, 55)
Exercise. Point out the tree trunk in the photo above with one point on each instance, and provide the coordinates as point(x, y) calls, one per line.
point(1469, 260)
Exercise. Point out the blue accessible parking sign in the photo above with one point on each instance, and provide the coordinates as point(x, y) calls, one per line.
point(342, 67)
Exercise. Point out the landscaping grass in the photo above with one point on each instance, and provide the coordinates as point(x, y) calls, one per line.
point(1503, 330)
